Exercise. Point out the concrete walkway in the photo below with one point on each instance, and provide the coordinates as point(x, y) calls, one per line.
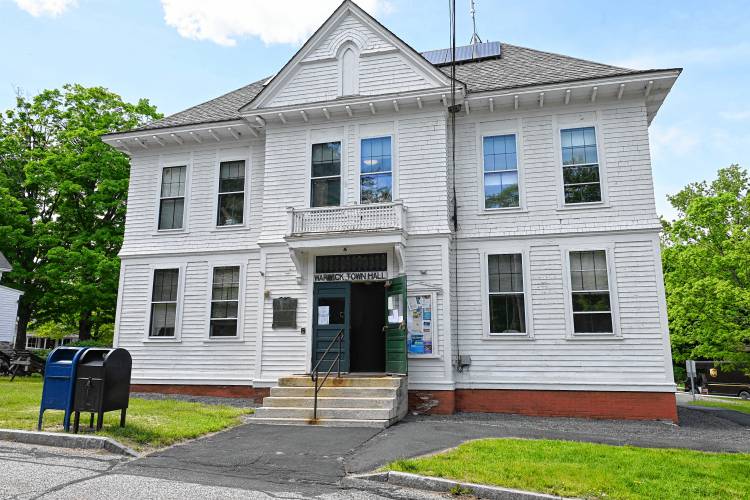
point(264, 461)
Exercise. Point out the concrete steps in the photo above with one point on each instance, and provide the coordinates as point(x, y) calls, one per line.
point(352, 401)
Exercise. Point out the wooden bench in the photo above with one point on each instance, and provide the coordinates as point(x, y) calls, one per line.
point(25, 362)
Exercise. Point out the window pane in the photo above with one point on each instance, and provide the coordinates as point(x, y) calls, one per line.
point(588, 270)
point(326, 159)
point(232, 176)
point(170, 213)
point(326, 192)
point(163, 320)
point(226, 283)
point(501, 190)
point(505, 273)
point(500, 153)
point(586, 302)
point(231, 208)
point(376, 155)
point(165, 285)
point(224, 309)
point(577, 175)
point(507, 314)
point(223, 328)
point(592, 323)
point(375, 188)
point(173, 182)
point(583, 193)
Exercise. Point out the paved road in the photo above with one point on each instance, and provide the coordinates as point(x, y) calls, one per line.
point(262, 461)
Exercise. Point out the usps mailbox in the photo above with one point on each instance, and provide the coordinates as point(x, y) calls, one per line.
point(59, 382)
point(102, 384)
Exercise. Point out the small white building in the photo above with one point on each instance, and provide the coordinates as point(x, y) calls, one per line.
point(322, 200)
point(9, 298)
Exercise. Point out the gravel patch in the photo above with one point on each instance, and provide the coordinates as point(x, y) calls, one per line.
point(210, 400)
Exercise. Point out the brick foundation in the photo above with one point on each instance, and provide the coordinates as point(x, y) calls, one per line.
point(586, 404)
point(222, 391)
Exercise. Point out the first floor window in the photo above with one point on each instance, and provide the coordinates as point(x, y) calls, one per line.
point(419, 326)
point(164, 303)
point(172, 197)
point(500, 167)
point(507, 309)
point(580, 165)
point(592, 311)
point(231, 193)
point(225, 294)
point(325, 178)
point(376, 179)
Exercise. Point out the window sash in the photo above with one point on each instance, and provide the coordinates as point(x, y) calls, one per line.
point(512, 270)
point(320, 158)
point(500, 165)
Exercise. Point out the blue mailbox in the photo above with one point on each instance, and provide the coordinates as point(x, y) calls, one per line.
point(59, 382)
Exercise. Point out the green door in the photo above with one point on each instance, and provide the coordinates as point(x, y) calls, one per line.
point(395, 326)
point(331, 306)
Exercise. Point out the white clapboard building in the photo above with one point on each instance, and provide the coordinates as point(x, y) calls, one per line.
point(490, 242)
point(9, 298)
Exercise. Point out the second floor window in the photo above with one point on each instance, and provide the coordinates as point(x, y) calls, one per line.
point(500, 171)
point(325, 179)
point(172, 197)
point(376, 179)
point(580, 161)
point(231, 193)
point(225, 294)
point(164, 303)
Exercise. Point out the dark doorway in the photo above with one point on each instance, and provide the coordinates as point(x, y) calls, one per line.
point(367, 339)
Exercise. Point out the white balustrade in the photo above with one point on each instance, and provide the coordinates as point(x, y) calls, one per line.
point(371, 217)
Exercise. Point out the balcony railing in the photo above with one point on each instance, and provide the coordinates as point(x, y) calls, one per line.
point(373, 217)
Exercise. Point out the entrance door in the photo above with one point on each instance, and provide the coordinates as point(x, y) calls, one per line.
point(331, 302)
point(395, 326)
point(367, 336)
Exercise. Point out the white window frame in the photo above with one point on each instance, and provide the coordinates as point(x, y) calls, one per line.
point(240, 301)
point(361, 138)
point(319, 137)
point(612, 285)
point(180, 302)
point(586, 119)
point(485, 291)
point(493, 129)
point(228, 157)
point(433, 294)
point(167, 161)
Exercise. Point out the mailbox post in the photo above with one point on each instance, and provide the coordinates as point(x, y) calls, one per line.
point(102, 384)
point(59, 382)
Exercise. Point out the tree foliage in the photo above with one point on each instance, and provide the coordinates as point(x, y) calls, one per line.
point(706, 260)
point(62, 203)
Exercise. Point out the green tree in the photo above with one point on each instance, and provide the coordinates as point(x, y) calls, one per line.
point(62, 203)
point(706, 261)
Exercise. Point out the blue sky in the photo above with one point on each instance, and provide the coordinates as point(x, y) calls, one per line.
point(181, 52)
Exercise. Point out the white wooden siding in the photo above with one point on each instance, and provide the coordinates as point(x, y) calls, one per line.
point(8, 309)
point(635, 361)
point(194, 359)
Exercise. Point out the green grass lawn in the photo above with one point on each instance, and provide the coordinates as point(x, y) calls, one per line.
point(150, 423)
point(590, 470)
point(742, 405)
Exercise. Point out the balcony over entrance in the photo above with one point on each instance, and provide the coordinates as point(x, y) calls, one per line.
point(355, 218)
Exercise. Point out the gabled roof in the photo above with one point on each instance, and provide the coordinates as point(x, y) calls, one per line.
point(4, 264)
point(517, 67)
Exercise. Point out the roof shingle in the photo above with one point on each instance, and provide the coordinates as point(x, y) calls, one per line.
point(516, 67)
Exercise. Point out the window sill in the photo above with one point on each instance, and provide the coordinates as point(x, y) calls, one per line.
point(507, 336)
point(227, 340)
point(583, 206)
point(233, 227)
point(162, 340)
point(502, 211)
point(176, 232)
point(593, 336)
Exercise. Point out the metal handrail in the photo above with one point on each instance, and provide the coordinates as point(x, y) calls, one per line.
point(315, 372)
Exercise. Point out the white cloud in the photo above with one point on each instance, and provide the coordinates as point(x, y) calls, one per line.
point(273, 21)
point(674, 140)
point(52, 8)
point(737, 116)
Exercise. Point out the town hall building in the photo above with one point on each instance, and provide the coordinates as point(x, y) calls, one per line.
point(487, 243)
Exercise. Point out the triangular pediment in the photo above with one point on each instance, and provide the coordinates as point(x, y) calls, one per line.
point(350, 55)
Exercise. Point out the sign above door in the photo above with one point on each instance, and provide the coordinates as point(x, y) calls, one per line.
point(351, 267)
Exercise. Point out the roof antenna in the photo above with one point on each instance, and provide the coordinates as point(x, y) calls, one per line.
point(474, 37)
